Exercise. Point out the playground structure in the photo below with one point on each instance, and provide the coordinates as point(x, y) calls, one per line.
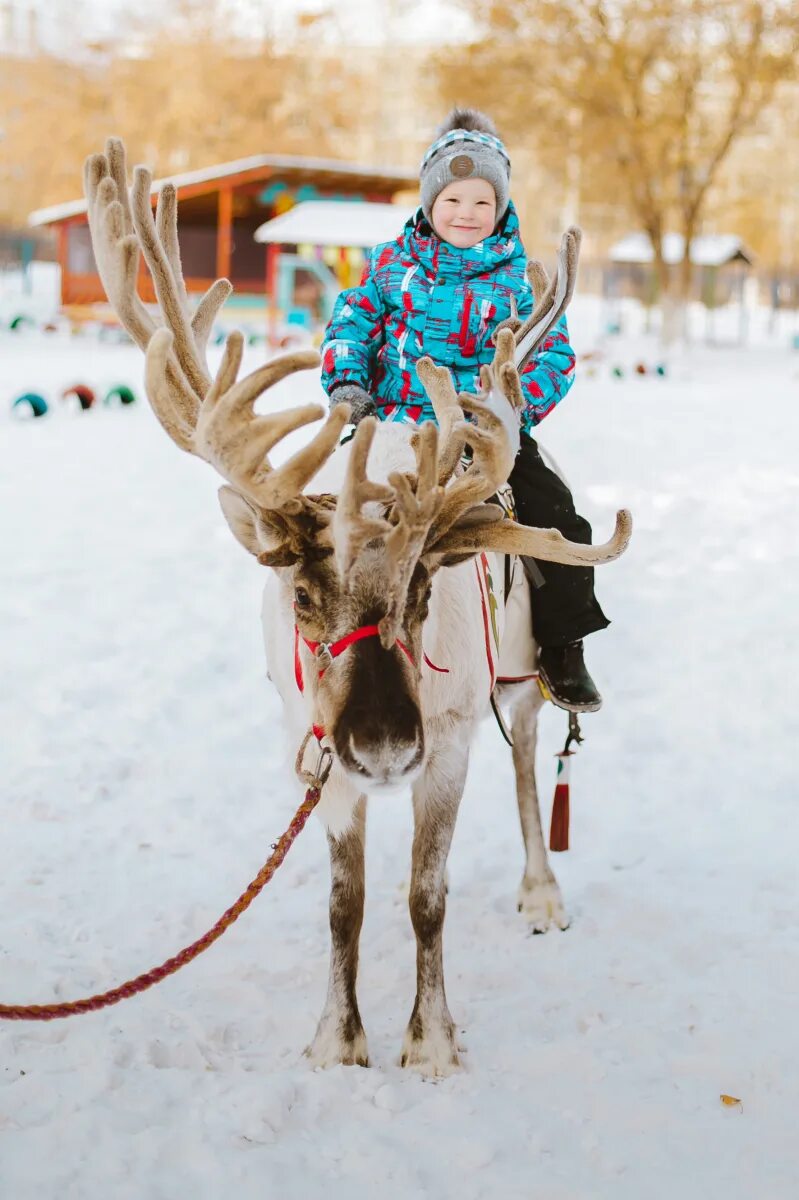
point(331, 238)
point(290, 282)
point(18, 250)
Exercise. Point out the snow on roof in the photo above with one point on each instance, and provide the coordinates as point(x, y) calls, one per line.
point(336, 223)
point(334, 166)
point(710, 250)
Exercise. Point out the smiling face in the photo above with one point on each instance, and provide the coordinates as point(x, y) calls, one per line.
point(465, 212)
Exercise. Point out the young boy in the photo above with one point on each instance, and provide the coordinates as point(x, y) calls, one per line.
point(440, 290)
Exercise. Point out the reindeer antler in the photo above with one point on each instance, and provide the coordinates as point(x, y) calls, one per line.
point(553, 296)
point(437, 382)
point(212, 418)
point(417, 504)
point(493, 453)
point(434, 513)
point(352, 528)
point(439, 513)
point(465, 523)
point(408, 506)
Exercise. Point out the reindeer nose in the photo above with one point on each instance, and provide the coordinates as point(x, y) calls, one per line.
point(378, 733)
point(387, 761)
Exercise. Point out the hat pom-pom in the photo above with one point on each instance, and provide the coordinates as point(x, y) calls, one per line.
point(467, 118)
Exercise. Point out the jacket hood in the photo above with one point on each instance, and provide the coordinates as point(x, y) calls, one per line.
point(437, 256)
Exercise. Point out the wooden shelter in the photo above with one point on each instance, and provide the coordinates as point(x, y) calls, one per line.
point(720, 267)
point(719, 263)
point(220, 208)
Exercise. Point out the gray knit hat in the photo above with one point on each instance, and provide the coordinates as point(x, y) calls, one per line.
point(466, 147)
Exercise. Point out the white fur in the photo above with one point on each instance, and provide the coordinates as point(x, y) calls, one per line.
point(436, 1055)
point(541, 904)
point(328, 1049)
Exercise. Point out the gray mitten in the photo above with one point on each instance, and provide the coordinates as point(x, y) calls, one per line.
point(358, 398)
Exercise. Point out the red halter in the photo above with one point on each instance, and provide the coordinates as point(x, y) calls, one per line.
point(327, 651)
point(331, 650)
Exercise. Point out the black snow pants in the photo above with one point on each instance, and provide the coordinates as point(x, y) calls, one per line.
point(565, 608)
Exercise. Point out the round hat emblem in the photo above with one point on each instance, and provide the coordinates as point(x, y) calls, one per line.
point(462, 166)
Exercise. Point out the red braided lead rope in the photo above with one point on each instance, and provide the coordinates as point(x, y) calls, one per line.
point(70, 1008)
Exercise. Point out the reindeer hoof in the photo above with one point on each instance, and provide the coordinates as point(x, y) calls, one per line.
point(541, 905)
point(331, 1049)
point(433, 1054)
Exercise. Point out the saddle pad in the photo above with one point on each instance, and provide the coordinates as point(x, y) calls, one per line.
point(517, 655)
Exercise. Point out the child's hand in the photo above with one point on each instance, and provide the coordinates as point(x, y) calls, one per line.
point(358, 398)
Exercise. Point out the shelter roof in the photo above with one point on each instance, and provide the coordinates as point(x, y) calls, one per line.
point(709, 250)
point(327, 172)
point(336, 223)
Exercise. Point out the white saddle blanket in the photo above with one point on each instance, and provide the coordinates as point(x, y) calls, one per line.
point(518, 656)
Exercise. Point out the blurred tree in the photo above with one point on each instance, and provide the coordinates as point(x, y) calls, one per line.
point(640, 99)
point(184, 91)
point(40, 141)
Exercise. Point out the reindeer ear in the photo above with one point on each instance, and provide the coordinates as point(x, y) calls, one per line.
point(263, 534)
point(242, 519)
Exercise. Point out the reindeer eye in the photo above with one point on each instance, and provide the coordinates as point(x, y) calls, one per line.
point(301, 598)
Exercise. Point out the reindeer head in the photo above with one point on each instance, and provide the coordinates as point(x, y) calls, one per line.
point(356, 566)
point(355, 570)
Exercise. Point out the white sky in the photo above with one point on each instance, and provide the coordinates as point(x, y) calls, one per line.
point(68, 24)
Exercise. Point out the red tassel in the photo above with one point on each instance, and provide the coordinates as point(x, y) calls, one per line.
point(559, 828)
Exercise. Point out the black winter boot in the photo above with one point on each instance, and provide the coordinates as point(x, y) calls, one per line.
point(563, 671)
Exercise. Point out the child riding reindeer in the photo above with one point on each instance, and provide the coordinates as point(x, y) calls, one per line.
point(454, 275)
point(368, 572)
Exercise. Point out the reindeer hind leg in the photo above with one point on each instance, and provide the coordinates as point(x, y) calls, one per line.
point(539, 898)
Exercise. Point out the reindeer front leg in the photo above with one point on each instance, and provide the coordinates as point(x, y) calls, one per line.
point(339, 1036)
point(429, 1045)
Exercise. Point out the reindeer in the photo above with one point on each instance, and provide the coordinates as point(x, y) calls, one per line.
point(372, 612)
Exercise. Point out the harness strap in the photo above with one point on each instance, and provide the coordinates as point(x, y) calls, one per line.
point(332, 650)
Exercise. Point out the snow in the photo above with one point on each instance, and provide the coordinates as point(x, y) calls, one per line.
point(143, 781)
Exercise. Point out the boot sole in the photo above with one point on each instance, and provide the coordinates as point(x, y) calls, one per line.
point(548, 694)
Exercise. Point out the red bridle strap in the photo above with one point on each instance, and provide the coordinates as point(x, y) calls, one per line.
point(334, 649)
point(349, 639)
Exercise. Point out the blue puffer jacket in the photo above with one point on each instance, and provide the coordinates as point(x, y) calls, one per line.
point(421, 296)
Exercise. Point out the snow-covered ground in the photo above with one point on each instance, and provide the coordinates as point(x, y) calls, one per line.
point(143, 780)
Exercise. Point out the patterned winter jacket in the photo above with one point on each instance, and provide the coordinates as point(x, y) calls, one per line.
point(421, 296)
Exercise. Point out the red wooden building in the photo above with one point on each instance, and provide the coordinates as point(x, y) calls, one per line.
point(219, 210)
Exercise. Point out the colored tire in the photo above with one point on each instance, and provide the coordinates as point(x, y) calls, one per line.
point(85, 395)
point(21, 322)
point(120, 394)
point(33, 401)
